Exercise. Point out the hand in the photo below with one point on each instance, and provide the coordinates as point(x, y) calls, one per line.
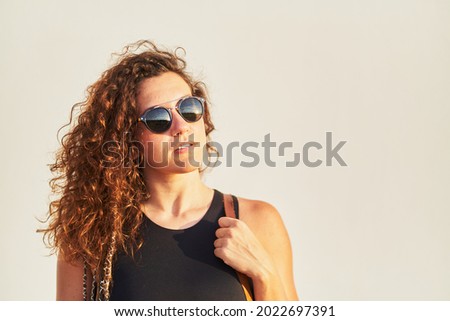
point(239, 248)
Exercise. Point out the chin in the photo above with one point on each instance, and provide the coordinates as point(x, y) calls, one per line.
point(180, 170)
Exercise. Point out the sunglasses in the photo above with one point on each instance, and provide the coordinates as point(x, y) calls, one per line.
point(158, 119)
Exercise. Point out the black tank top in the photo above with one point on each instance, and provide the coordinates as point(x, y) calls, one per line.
point(174, 265)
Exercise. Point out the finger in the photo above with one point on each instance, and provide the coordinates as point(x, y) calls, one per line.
point(218, 243)
point(228, 257)
point(220, 253)
point(220, 232)
point(225, 254)
point(225, 221)
point(224, 232)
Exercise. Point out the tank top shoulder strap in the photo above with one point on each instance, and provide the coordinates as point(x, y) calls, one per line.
point(235, 205)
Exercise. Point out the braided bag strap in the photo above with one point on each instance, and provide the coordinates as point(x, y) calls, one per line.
point(101, 291)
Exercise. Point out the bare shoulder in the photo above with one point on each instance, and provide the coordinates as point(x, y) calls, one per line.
point(257, 205)
point(264, 220)
point(69, 280)
point(262, 217)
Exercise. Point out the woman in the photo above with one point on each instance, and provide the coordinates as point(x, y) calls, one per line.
point(134, 220)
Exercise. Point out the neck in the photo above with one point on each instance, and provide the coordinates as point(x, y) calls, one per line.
point(175, 194)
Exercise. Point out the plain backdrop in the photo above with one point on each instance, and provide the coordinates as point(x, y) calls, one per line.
point(376, 74)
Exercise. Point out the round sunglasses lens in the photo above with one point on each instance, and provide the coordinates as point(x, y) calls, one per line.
point(191, 109)
point(157, 120)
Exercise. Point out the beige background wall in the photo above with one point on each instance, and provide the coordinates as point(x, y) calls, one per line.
point(374, 73)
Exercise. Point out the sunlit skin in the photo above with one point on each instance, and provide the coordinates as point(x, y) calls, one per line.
point(160, 148)
point(257, 244)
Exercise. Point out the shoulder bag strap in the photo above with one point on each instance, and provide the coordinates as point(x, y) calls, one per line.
point(244, 279)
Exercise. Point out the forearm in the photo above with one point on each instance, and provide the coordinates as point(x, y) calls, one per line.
point(267, 286)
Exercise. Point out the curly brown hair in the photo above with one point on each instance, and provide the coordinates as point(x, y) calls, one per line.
point(98, 209)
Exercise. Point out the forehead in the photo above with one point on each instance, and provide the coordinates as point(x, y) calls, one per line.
point(161, 89)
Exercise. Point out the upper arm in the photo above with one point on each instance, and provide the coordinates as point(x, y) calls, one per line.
point(69, 280)
point(267, 225)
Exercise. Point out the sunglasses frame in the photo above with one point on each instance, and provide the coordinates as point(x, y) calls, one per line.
point(168, 109)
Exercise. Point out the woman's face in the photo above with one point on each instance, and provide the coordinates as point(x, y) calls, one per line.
point(161, 150)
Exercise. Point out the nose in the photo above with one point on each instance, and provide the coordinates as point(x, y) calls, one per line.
point(179, 126)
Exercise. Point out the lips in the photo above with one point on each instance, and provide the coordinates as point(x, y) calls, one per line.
point(181, 145)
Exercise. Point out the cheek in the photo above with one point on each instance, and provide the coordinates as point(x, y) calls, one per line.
point(152, 145)
point(200, 130)
point(145, 136)
point(200, 137)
